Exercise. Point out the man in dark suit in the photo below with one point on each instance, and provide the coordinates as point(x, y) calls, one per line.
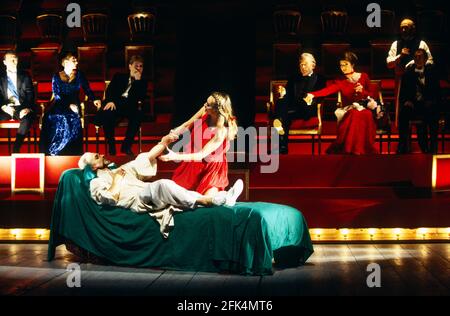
point(16, 97)
point(419, 99)
point(291, 105)
point(122, 99)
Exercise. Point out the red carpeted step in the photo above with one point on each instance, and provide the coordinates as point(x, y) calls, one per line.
point(345, 171)
point(323, 210)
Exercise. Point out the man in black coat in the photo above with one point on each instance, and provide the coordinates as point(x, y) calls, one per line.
point(16, 97)
point(419, 99)
point(122, 99)
point(291, 105)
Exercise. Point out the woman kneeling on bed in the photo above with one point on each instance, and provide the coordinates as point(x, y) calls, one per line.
point(124, 186)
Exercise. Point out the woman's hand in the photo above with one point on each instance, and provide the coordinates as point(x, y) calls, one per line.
point(372, 104)
point(169, 138)
point(168, 157)
point(358, 88)
point(74, 108)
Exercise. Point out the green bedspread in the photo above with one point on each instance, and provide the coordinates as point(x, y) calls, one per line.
point(242, 239)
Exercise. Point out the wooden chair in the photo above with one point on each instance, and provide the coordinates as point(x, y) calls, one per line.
point(95, 27)
point(375, 87)
point(147, 52)
point(44, 64)
point(286, 23)
point(92, 61)
point(334, 23)
point(50, 27)
point(141, 26)
point(387, 27)
point(311, 127)
point(431, 24)
point(8, 32)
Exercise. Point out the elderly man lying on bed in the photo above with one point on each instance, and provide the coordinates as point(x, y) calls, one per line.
point(124, 187)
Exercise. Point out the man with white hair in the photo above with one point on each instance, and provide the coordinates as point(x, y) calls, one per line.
point(124, 187)
point(291, 105)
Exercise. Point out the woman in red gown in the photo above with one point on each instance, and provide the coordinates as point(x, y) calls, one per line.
point(204, 166)
point(356, 130)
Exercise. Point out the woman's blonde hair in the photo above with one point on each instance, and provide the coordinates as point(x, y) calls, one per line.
point(222, 104)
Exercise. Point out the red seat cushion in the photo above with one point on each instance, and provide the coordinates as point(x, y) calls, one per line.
point(305, 124)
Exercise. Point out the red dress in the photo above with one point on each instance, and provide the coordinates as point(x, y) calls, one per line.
point(356, 131)
point(212, 171)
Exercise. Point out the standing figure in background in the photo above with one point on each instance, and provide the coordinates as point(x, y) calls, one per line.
point(62, 133)
point(356, 124)
point(16, 97)
point(419, 99)
point(401, 55)
point(204, 167)
point(291, 105)
point(123, 97)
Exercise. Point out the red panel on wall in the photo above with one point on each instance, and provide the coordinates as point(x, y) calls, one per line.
point(27, 173)
point(443, 174)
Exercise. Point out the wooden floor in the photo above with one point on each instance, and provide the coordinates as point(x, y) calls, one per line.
point(338, 269)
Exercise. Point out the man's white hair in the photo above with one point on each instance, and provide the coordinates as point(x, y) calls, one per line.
point(308, 56)
point(85, 160)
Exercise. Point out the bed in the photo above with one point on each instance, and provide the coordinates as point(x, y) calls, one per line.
point(245, 239)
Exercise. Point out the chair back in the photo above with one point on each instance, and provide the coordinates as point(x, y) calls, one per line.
point(44, 63)
point(92, 61)
point(146, 52)
point(95, 27)
point(387, 27)
point(286, 23)
point(50, 27)
point(8, 29)
point(141, 25)
point(431, 24)
point(334, 23)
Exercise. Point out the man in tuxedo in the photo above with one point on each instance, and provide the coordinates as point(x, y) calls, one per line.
point(16, 97)
point(419, 99)
point(291, 105)
point(122, 99)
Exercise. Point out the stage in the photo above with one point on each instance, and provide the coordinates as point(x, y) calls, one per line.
point(343, 198)
point(406, 269)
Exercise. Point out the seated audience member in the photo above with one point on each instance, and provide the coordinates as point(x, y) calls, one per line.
point(16, 97)
point(124, 186)
point(291, 104)
point(419, 99)
point(356, 124)
point(122, 99)
point(61, 126)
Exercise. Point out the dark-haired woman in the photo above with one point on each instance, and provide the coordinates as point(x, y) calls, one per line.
point(356, 125)
point(61, 127)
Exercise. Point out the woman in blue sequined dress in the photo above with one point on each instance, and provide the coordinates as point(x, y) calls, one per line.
point(61, 126)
